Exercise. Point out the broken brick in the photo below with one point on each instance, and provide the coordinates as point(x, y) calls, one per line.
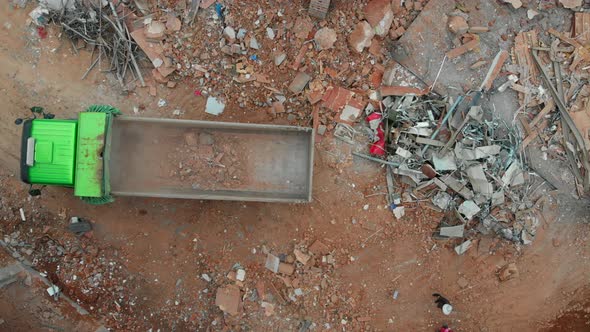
point(336, 98)
point(494, 70)
point(229, 299)
point(458, 25)
point(376, 78)
point(379, 14)
point(287, 269)
point(361, 36)
point(314, 97)
point(278, 107)
point(401, 91)
point(458, 51)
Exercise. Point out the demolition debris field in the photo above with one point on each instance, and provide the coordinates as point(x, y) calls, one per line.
point(451, 156)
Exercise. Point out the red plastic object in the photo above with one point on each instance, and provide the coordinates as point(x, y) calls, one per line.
point(198, 93)
point(377, 148)
point(42, 32)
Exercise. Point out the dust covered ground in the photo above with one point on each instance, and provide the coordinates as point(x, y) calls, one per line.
point(158, 263)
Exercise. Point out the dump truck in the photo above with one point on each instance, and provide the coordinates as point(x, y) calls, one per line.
point(102, 155)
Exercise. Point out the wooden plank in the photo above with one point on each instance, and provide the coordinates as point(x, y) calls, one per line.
point(525, 125)
point(530, 138)
point(549, 106)
point(582, 27)
point(523, 43)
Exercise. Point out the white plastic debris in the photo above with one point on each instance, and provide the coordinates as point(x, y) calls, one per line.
point(22, 214)
point(442, 200)
point(399, 211)
point(241, 274)
point(214, 106)
point(403, 153)
point(444, 163)
point(206, 277)
point(162, 103)
point(53, 290)
point(37, 15)
point(272, 263)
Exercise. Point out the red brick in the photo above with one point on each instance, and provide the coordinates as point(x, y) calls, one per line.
point(314, 97)
point(375, 78)
point(379, 14)
point(401, 91)
point(457, 52)
point(229, 299)
point(336, 98)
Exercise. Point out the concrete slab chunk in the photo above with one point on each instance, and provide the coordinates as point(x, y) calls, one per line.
point(444, 163)
point(214, 106)
point(272, 263)
point(469, 209)
point(463, 247)
point(452, 231)
point(478, 180)
point(299, 82)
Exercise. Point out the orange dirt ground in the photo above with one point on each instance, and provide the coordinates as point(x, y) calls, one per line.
point(152, 253)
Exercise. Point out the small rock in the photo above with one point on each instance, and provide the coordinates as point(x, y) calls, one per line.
point(325, 38)
point(319, 248)
point(241, 33)
point(270, 33)
point(508, 272)
point(279, 58)
point(155, 30)
point(230, 33)
point(458, 25)
point(555, 241)
point(254, 43)
point(462, 282)
point(301, 257)
point(531, 13)
point(570, 4)
point(517, 3)
point(173, 23)
point(322, 130)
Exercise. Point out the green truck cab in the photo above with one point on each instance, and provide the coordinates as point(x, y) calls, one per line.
point(68, 153)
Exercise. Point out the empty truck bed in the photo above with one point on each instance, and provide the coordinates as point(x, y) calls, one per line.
point(210, 160)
